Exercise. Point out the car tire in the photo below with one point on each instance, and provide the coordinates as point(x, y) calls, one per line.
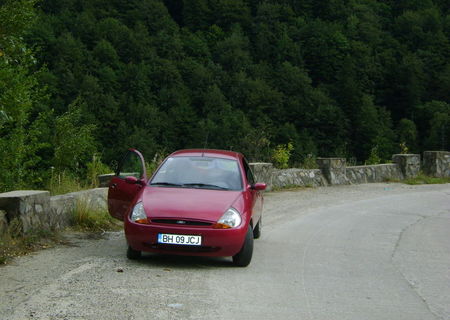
point(244, 256)
point(257, 230)
point(133, 254)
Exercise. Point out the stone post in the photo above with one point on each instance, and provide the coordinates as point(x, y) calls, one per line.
point(30, 207)
point(262, 172)
point(409, 164)
point(334, 170)
point(436, 163)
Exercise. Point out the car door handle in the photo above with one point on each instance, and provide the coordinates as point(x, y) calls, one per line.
point(113, 186)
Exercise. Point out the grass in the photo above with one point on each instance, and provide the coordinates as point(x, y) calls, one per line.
point(86, 218)
point(63, 183)
point(291, 187)
point(424, 179)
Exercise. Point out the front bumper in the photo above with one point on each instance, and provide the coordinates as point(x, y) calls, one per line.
point(215, 242)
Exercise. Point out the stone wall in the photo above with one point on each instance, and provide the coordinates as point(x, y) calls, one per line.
point(373, 173)
point(262, 172)
point(334, 171)
point(35, 209)
point(297, 177)
point(279, 178)
point(62, 206)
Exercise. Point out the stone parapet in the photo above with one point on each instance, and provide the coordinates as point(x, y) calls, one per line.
point(62, 206)
point(409, 164)
point(298, 177)
point(30, 207)
point(436, 163)
point(262, 172)
point(35, 209)
point(374, 173)
point(334, 170)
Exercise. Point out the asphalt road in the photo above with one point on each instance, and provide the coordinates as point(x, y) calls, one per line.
point(378, 251)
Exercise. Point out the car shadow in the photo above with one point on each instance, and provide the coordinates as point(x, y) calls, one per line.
point(184, 262)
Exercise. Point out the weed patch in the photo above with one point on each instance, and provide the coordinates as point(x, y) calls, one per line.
point(86, 218)
point(291, 187)
point(13, 244)
point(63, 183)
point(424, 179)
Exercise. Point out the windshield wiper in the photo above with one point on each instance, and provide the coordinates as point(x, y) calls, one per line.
point(206, 185)
point(169, 184)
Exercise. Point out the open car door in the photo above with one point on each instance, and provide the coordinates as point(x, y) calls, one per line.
point(128, 181)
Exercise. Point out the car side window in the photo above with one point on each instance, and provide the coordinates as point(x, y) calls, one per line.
point(248, 173)
point(130, 165)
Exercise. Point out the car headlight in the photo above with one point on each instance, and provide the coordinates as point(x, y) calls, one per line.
point(230, 219)
point(138, 214)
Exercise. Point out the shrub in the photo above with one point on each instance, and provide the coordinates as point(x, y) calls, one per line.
point(374, 158)
point(404, 148)
point(282, 154)
point(310, 162)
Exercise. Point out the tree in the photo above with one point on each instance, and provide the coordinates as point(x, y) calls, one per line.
point(434, 123)
point(406, 86)
point(274, 41)
point(233, 52)
point(19, 92)
point(74, 142)
point(197, 14)
point(372, 128)
point(230, 12)
point(223, 127)
point(324, 48)
point(326, 76)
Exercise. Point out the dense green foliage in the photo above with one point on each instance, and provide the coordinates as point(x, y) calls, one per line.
point(354, 78)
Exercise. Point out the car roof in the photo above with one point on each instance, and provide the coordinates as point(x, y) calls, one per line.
point(207, 153)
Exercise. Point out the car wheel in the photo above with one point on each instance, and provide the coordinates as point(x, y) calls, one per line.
point(257, 230)
point(133, 254)
point(243, 257)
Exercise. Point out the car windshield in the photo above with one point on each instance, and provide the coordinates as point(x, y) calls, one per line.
point(199, 172)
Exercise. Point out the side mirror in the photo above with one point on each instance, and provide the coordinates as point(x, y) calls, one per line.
point(259, 186)
point(131, 180)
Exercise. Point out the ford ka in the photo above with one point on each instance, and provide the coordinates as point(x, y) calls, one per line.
point(198, 202)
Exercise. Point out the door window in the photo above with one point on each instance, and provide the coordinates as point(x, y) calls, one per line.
point(131, 165)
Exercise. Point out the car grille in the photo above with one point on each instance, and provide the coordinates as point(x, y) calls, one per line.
point(181, 222)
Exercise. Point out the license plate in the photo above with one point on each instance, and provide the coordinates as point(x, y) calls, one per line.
point(179, 239)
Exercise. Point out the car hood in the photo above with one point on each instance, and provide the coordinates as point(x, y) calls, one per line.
point(187, 203)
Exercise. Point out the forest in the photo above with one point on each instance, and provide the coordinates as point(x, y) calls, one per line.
point(83, 80)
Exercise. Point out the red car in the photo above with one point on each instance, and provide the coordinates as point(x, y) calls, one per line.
point(198, 202)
